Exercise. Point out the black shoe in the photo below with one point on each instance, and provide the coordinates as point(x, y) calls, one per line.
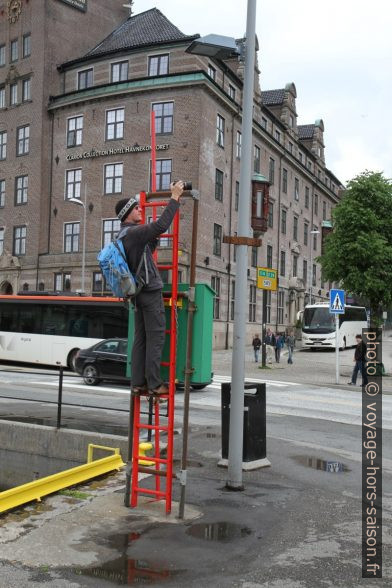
point(351, 384)
point(160, 391)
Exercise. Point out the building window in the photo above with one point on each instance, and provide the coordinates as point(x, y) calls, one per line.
point(252, 303)
point(21, 187)
point(219, 185)
point(264, 122)
point(74, 131)
point(158, 65)
point(13, 94)
point(2, 55)
point(237, 195)
point(2, 97)
point(305, 272)
point(2, 193)
point(27, 45)
point(300, 155)
point(283, 223)
point(290, 147)
point(99, 286)
point(23, 140)
point(26, 90)
point(3, 145)
point(295, 228)
point(163, 174)
point(14, 50)
point(291, 121)
point(280, 307)
point(216, 286)
point(253, 258)
point(324, 210)
point(257, 159)
point(119, 72)
point(306, 232)
point(314, 275)
point(315, 205)
point(85, 79)
point(277, 136)
point(211, 72)
point(268, 315)
point(284, 181)
point(269, 256)
point(314, 239)
point(163, 117)
point(217, 246)
point(232, 300)
point(306, 197)
point(19, 240)
point(73, 180)
point(271, 215)
point(282, 263)
point(71, 237)
point(1, 240)
point(238, 145)
point(231, 92)
point(113, 178)
point(295, 266)
point(220, 130)
point(62, 282)
point(296, 189)
point(110, 228)
point(271, 175)
point(114, 124)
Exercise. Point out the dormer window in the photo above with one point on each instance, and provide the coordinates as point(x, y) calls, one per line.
point(291, 121)
point(158, 65)
point(211, 72)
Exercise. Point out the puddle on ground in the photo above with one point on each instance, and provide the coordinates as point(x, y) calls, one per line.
point(331, 466)
point(218, 531)
point(127, 570)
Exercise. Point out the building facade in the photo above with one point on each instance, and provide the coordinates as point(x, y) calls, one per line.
point(84, 134)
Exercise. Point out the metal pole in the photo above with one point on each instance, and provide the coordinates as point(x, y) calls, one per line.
point(311, 268)
point(337, 347)
point(264, 335)
point(60, 397)
point(234, 481)
point(84, 237)
point(128, 469)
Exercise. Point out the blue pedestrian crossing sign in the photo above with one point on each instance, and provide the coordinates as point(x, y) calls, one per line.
point(336, 301)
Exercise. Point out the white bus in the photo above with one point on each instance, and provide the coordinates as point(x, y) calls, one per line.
point(50, 330)
point(318, 326)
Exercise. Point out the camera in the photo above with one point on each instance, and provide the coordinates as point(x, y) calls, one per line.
point(187, 185)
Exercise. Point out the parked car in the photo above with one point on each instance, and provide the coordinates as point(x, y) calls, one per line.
point(106, 360)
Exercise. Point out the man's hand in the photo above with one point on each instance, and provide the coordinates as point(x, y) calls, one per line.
point(177, 189)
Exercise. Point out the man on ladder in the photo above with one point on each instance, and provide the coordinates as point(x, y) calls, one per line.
point(149, 336)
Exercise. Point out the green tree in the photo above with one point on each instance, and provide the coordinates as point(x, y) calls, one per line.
point(358, 252)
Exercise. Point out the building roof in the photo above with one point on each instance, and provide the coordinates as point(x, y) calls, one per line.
point(272, 97)
point(147, 28)
point(305, 131)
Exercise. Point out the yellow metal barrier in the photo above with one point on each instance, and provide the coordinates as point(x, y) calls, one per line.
point(38, 488)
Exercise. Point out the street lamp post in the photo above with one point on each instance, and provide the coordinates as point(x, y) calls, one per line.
point(314, 232)
point(84, 204)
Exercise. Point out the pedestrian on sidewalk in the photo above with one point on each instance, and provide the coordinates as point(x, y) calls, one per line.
point(279, 342)
point(256, 346)
point(360, 363)
point(290, 342)
point(270, 345)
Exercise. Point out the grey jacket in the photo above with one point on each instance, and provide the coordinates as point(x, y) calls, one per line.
point(138, 236)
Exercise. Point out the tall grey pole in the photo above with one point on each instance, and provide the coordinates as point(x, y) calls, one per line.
point(234, 481)
point(84, 238)
point(337, 341)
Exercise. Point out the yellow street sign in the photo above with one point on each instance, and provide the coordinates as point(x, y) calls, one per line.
point(267, 278)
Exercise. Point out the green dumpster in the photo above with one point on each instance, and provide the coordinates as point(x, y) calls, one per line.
point(201, 360)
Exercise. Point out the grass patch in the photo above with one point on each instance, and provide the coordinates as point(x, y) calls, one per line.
point(75, 494)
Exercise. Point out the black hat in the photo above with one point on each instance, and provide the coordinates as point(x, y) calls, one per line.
point(124, 207)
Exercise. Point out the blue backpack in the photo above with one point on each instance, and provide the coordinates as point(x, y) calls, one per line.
point(114, 266)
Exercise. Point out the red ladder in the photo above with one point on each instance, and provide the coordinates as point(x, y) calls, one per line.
point(163, 467)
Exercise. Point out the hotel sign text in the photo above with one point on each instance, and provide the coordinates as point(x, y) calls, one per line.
point(114, 151)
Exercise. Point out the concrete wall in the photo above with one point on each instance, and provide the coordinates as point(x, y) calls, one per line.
point(28, 452)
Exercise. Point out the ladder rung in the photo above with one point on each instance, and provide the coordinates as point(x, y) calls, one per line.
point(167, 235)
point(152, 427)
point(146, 470)
point(165, 363)
point(165, 267)
point(151, 458)
point(159, 203)
point(148, 491)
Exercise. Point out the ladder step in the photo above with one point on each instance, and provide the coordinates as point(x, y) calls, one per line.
point(151, 458)
point(152, 427)
point(165, 267)
point(145, 470)
point(148, 491)
point(165, 363)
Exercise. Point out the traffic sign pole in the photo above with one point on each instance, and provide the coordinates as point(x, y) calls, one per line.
point(337, 347)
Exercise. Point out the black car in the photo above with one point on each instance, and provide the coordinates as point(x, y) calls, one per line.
point(106, 360)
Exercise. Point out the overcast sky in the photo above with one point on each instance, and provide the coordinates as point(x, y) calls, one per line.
point(337, 52)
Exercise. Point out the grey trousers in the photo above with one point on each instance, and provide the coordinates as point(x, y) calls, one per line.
point(149, 339)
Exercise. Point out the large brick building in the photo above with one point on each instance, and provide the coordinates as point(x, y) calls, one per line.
point(79, 127)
